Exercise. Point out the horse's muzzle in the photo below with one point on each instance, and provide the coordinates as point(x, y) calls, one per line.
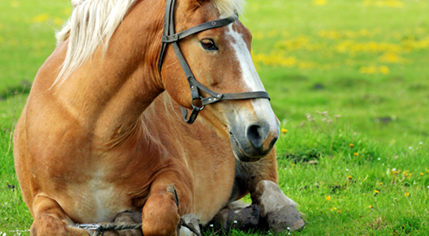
point(253, 142)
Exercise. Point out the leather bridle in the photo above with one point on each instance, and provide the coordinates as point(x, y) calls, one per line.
point(170, 36)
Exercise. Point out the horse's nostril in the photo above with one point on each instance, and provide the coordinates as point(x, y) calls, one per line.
point(256, 136)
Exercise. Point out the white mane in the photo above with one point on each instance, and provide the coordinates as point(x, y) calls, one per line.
point(93, 22)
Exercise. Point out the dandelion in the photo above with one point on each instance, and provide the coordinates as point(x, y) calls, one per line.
point(390, 57)
point(370, 206)
point(40, 18)
point(407, 194)
point(376, 191)
point(319, 2)
point(284, 131)
point(421, 173)
point(351, 145)
point(328, 198)
point(333, 209)
point(384, 70)
point(355, 154)
point(349, 177)
point(381, 183)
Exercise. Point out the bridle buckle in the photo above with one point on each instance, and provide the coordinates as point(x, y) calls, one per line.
point(194, 106)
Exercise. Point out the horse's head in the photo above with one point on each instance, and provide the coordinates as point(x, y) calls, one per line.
point(220, 60)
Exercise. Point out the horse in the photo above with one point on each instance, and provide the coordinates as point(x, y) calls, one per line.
point(101, 134)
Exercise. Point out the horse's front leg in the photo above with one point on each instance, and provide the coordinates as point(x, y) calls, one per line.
point(166, 204)
point(277, 210)
point(51, 220)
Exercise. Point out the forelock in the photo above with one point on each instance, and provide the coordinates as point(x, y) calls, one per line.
point(229, 7)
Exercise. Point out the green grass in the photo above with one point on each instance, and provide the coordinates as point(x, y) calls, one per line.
point(363, 60)
point(346, 179)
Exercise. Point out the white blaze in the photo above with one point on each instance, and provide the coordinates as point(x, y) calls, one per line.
point(251, 78)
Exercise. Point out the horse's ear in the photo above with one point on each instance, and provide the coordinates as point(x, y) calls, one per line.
point(198, 3)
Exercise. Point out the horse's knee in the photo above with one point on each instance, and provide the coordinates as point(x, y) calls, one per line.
point(279, 211)
point(50, 219)
point(160, 215)
point(47, 225)
point(268, 196)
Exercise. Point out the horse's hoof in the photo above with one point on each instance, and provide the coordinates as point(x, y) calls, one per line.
point(243, 219)
point(189, 226)
point(126, 218)
point(286, 218)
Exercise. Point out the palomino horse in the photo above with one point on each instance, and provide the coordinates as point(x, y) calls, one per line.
point(100, 137)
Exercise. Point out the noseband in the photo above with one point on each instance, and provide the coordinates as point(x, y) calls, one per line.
point(170, 36)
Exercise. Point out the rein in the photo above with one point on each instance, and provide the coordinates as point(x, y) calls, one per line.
point(170, 37)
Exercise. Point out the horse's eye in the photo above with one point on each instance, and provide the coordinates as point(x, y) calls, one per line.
point(208, 44)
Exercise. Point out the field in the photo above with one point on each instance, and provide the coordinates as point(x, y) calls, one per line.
point(348, 79)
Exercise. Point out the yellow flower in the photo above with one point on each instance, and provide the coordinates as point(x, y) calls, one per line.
point(319, 2)
point(384, 70)
point(339, 211)
point(421, 173)
point(349, 177)
point(370, 206)
point(328, 198)
point(390, 57)
point(380, 183)
point(376, 191)
point(293, 164)
point(351, 145)
point(407, 194)
point(333, 208)
point(355, 154)
point(42, 18)
point(284, 131)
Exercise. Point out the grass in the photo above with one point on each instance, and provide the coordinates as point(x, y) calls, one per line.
point(357, 187)
point(364, 61)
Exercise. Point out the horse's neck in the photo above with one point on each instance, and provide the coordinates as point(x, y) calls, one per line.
point(109, 93)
